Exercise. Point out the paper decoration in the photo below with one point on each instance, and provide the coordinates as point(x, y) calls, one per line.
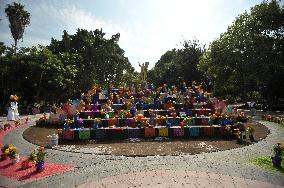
point(135, 132)
point(208, 131)
point(205, 121)
point(68, 135)
point(150, 132)
point(194, 131)
point(174, 121)
point(100, 133)
point(116, 133)
point(84, 134)
point(164, 132)
point(130, 122)
point(178, 132)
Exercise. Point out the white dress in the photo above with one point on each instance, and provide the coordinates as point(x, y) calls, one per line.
point(13, 113)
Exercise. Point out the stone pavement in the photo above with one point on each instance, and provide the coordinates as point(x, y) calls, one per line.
point(202, 170)
point(175, 179)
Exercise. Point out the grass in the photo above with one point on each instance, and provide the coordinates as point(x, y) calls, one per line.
point(278, 125)
point(266, 163)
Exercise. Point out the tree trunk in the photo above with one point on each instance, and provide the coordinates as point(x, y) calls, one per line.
point(39, 87)
point(15, 47)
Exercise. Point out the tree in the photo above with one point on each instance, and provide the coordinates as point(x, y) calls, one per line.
point(246, 62)
point(19, 19)
point(97, 59)
point(178, 65)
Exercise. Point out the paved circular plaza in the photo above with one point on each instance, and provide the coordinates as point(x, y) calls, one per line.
point(229, 168)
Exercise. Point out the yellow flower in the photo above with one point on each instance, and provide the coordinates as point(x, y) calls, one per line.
point(40, 148)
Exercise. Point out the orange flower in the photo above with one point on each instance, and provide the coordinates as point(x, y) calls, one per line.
point(140, 117)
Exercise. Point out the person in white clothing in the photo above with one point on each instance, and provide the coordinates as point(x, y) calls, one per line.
point(253, 108)
point(13, 113)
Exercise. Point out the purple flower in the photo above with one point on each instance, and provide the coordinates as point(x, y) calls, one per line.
point(80, 121)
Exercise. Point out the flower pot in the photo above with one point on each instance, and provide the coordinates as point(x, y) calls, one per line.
point(15, 160)
point(40, 166)
point(25, 164)
point(276, 161)
point(3, 157)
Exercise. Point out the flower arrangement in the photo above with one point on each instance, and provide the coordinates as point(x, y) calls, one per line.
point(160, 120)
point(14, 97)
point(97, 122)
point(240, 126)
point(7, 126)
point(27, 119)
point(173, 112)
point(5, 151)
point(186, 121)
point(146, 124)
point(250, 130)
point(277, 151)
point(87, 99)
point(228, 132)
point(113, 122)
point(123, 113)
point(139, 118)
point(67, 123)
point(241, 118)
point(43, 121)
point(13, 154)
point(40, 156)
point(17, 123)
point(128, 105)
point(238, 135)
point(31, 159)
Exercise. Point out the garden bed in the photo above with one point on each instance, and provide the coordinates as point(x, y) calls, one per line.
point(144, 147)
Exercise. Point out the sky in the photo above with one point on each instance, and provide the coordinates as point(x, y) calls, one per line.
point(148, 28)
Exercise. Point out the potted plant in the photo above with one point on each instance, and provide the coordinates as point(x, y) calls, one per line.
point(276, 159)
point(31, 159)
point(14, 156)
point(250, 130)
point(40, 156)
point(5, 151)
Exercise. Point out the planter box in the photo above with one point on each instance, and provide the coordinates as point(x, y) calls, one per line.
point(100, 134)
point(149, 132)
point(194, 131)
point(84, 134)
point(163, 132)
point(116, 134)
point(178, 132)
point(68, 135)
point(135, 132)
point(208, 131)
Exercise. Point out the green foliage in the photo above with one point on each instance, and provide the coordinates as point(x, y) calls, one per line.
point(266, 163)
point(19, 19)
point(247, 60)
point(178, 65)
point(98, 59)
point(64, 69)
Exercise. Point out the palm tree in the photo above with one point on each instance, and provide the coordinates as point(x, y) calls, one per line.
point(19, 19)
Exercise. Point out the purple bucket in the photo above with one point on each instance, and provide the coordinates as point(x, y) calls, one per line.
point(40, 166)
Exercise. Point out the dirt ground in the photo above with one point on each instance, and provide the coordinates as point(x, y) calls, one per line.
point(141, 147)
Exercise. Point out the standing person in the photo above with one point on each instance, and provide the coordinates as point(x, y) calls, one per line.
point(253, 108)
point(13, 113)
